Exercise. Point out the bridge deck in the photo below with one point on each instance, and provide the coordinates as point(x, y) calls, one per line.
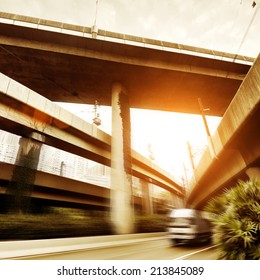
point(236, 144)
point(70, 68)
point(23, 111)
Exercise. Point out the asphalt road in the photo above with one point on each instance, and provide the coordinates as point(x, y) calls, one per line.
point(158, 249)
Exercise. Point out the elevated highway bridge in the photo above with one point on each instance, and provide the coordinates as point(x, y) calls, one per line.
point(235, 151)
point(69, 63)
point(24, 112)
point(77, 68)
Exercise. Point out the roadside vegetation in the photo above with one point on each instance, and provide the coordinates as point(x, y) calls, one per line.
point(54, 223)
point(236, 220)
point(67, 222)
point(151, 223)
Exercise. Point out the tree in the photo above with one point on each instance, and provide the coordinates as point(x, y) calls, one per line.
point(236, 220)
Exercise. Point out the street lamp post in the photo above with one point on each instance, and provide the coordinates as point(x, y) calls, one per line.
point(210, 142)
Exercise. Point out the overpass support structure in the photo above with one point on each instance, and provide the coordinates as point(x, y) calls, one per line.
point(253, 173)
point(236, 143)
point(122, 211)
point(24, 112)
point(147, 198)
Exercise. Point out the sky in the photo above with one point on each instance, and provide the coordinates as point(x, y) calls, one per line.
point(224, 25)
point(212, 24)
point(167, 133)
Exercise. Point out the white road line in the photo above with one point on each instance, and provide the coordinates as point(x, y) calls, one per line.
point(196, 252)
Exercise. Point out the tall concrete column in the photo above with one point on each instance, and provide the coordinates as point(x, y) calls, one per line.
point(122, 211)
point(177, 202)
point(147, 202)
point(253, 173)
point(21, 185)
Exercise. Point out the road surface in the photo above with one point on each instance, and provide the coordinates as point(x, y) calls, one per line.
point(157, 249)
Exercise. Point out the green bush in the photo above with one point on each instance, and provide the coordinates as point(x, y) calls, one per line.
point(52, 225)
point(64, 222)
point(236, 220)
point(151, 223)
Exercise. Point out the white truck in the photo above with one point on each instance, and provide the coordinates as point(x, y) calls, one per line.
point(188, 226)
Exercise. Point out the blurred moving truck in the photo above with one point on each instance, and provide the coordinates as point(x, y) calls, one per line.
point(188, 226)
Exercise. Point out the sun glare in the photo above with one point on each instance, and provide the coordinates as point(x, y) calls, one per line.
point(165, 134)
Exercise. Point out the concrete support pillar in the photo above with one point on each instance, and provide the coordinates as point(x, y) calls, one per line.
point(147, 202)
point(253, 173)
point(21, 185)
point(122, 210)
point(174, 204)
point(177, 202)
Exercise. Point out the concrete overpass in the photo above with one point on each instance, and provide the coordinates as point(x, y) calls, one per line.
point(54, 190)
point(81, 68)
point(24, 112)
point(77, 68)
point(236, 144)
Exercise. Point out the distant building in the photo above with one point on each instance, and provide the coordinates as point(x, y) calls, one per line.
point(57, 162)
point(9, 145)
point(64, 164)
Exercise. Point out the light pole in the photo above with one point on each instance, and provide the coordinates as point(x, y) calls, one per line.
point(210, 142)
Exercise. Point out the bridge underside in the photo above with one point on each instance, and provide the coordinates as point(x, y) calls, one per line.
point(53, 190)
point(236, 143)
point(69, 68)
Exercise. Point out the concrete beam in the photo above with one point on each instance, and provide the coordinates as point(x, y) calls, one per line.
point(23, 111)
point(236, 142)
point(51, 63)
point(53, 189)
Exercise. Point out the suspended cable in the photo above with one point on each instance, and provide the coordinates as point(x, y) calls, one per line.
point(96, 14)
point(247, 30)
point(94, 30)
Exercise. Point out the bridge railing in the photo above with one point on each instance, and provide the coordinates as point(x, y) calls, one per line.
point(85, 31)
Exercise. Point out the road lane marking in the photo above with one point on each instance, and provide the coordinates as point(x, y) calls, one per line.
point(196, 252)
